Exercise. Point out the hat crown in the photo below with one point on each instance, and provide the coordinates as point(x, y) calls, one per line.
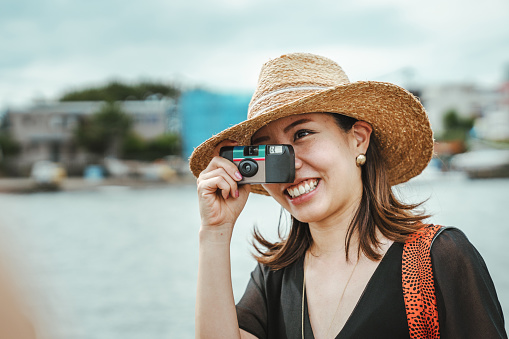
point(291, 77)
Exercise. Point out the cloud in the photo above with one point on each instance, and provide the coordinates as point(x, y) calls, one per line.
point(57, 44)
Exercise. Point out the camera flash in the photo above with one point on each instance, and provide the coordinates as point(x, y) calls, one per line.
point(276, 149)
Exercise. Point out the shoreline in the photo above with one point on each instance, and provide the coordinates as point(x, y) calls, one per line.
point(28, 185)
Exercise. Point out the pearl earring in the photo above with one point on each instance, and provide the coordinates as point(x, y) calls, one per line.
point(360, 160)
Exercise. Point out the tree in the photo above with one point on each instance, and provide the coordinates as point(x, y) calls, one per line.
point(166, 144)
point(455, 126)
point(104, 132)
point(118, 91)
point(8, 145)
point(134, 147)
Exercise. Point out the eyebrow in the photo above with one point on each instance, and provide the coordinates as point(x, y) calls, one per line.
point(295, 123)
point(260, 140)
point(285, 130)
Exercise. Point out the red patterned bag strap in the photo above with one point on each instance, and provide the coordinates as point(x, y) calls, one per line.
point(418, 284)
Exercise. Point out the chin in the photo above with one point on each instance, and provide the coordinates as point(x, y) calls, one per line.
point(312, 216)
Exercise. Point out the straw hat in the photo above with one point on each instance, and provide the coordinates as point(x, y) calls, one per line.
point(306, 83)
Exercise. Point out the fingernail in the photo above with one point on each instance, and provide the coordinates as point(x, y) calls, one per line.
point(238, 175)
point(237, 193)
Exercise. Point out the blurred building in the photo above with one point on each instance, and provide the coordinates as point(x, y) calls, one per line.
point(503, 95)
point(206, 113)
point(489, 106)
point(467, 100)
point(45, 130)
point(494, 124)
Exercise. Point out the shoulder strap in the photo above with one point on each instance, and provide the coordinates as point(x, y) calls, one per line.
point(418, 284)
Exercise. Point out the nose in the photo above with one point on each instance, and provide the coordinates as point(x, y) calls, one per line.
point(298, 161)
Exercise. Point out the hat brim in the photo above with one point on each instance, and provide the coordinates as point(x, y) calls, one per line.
point(399, 123)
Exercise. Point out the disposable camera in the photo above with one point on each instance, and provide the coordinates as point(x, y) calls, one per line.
point(263, 163)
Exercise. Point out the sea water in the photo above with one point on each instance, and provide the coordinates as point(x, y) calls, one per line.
point(120, 263)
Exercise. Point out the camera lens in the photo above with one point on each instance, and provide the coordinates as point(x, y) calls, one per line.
point(248, 167)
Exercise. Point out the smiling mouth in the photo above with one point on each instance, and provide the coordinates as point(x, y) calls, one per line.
point(303, 187)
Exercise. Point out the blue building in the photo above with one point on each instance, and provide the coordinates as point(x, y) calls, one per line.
point(205, 113)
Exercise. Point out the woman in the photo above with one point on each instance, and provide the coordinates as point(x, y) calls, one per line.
point(347, 268)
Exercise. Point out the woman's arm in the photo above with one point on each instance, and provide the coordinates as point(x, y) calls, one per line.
point(216, 316)
point(468, 306)
point(221, 200)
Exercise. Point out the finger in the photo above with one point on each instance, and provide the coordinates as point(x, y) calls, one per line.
point(227, 165)
point(221, 172)
point(213, 185)
point(225, 143)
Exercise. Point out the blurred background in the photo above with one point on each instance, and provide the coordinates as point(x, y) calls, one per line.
point(101, 104)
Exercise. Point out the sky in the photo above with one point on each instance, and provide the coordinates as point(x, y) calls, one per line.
point(49, 47)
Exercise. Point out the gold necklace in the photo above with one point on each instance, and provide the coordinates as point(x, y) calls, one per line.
point(339, 302)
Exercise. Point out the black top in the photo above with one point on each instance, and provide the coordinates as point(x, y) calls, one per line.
point(467, 303)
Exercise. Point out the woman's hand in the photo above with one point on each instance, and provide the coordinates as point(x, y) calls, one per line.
point(220, 198)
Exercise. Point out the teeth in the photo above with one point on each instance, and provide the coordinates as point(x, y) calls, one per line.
point(303, 187)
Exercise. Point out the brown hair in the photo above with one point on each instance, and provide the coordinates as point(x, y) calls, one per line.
point(378, 207)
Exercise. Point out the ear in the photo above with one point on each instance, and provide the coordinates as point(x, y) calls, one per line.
point(362, 133)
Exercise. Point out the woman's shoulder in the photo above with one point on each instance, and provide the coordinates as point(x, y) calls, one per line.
point(264, 274)
point(449, 247)
point(440, 239)
point(451, 242)
point(453, 252)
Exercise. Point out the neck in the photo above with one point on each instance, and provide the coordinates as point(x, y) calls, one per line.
point(329, 235)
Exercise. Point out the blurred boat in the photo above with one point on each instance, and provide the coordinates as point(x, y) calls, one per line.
point(147, 171)
point(437, 170)
point(487, 163)
point(93, 174)
point(116, 168)
point(157, 171)
point(48, 174)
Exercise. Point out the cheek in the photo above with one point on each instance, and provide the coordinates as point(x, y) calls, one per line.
point(275, 192)
point(337, 164)
point(273, 189)
point(327, 157)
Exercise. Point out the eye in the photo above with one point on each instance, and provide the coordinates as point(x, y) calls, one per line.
point(301, 133)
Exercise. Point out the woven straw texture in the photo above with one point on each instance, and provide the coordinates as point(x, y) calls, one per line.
point(306, 83)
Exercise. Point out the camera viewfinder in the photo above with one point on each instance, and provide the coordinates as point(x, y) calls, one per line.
point(250, 150)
